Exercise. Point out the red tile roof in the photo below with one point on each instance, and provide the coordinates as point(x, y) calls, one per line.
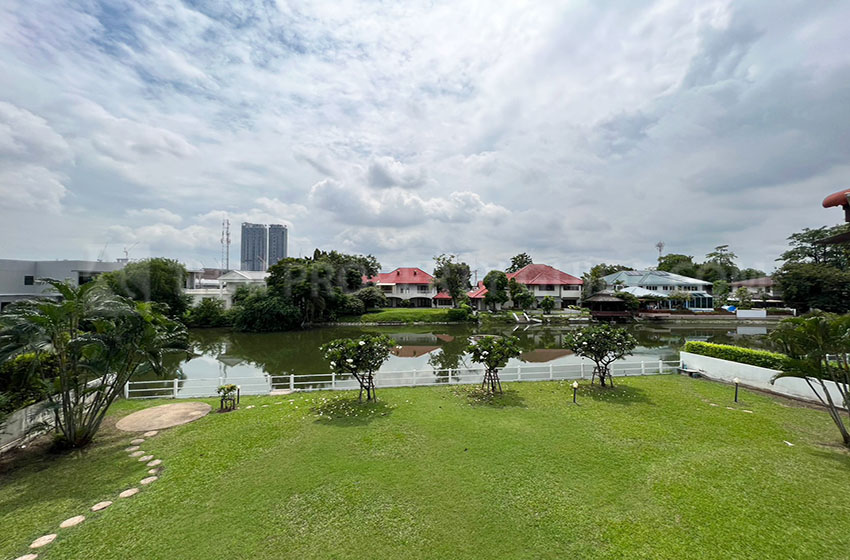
point(443, 295)
point(836, 199)
point(479, 292)
point(407, 275)
point(543, 274)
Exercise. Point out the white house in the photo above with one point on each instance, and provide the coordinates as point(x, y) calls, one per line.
point(541, 280)
point(227, 284)
point(661, 284)
point(20, 279)
point(406, 284)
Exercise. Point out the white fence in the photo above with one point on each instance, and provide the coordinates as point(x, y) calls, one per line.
point(206, 387)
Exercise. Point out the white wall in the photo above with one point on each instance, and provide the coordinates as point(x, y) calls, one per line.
point(754, 376)
point(751, 313)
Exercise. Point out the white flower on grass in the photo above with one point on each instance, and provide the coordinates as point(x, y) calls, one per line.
point(362, 343)
point(350, 361)
point(333, 364)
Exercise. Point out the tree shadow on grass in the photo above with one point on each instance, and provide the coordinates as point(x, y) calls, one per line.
point(349, 411)
point(836, 452)
point(620, 394)
point(476, 396)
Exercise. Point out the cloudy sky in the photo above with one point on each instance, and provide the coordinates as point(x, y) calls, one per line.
point(579, 132)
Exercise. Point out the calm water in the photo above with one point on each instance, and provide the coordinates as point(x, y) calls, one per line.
point(239, 356)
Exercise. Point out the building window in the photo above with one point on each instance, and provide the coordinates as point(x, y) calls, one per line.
point(424, 289)
point(29, 280)
point(653, 288)
point(548, 288)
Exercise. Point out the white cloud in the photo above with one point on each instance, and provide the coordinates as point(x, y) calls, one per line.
point(574, 131)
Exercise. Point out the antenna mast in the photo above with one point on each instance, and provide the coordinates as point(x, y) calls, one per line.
point(660, 247)
point(225, 244)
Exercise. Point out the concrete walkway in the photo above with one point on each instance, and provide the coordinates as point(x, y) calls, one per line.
point(165, 416)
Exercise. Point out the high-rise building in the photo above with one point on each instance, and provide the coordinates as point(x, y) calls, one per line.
point(254, 247)
point(278, 238)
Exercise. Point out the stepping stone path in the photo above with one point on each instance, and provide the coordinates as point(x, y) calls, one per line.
point(150, 434)
point(132, 448)
point(148, 480)
point(145, 458)
point(153, 471)
point(249, 407)
point(43, 541)
point(73, 521)
point(137, 453)
point(155, 463)
point(137, 441)
point(101, 506)
point(128, 493)
point(27, 557)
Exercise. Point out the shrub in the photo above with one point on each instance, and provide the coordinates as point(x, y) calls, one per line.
point(23, 381)
point(461, 313)
point(760, 358)
point(208, 313)
point(372, 297)
point(261, 311)
point(352, 305)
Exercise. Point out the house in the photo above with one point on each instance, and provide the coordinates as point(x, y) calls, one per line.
point(660, 285)
point(763, 291)
point(19, 280)
point(408, 284)
point(227, 284)
point(541, 280)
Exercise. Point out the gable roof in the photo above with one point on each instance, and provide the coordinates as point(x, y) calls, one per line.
point(763, 282)
point(651, 278)
point(404, 275)
point(478, 292)
point(252, 275)
point(543, 274)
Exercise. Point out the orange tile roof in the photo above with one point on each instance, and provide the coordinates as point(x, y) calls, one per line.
point(543, 274)
point(406, 275)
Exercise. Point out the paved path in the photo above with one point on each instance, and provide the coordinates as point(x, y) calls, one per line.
point(165, 416)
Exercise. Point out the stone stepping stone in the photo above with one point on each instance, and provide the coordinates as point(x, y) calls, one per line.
point(155, 463)
point(101, 506)
point(151, 433)
point(249, 407)
point(154, 471)
point(265, 406)
point(128, 493)
point(27, 557)
point(137, 453)
point(72, 521)
point(132, 448)
point(747, 411)
point(712, 404)
point(137, 441)
point(43, 541)
point(145, 458)
point(149, 479)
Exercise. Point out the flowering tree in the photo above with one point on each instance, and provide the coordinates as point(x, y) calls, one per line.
point(603, 344)
point(360, 357)
point(493, 353)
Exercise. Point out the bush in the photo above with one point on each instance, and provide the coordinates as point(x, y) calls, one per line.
point(372, 297)
point(262, 312)
point(461, 313)
point(760, 358)
point(352, 305)
point(208, 313)
point(24, 382)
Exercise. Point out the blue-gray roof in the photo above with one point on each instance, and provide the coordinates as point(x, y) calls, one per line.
point(652, 278)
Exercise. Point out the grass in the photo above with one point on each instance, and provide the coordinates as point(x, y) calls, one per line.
point(648, 470)
point(407, 315)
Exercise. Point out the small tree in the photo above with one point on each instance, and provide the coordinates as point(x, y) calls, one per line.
point(679, 298)
point(604, 345)
point(525, 299)
point(372, 297)
point(451, 276)
point(360, 357)
point(547, 304)
point(818, 346)
point(743, 297)
point(493, 353)
point(496, 283)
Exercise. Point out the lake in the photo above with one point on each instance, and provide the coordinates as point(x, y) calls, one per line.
point(222, 356)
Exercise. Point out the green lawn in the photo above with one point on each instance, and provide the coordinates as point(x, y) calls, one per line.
point(650, 470)
point(407, 315)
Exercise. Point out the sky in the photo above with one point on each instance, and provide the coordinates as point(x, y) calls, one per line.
point(579, 132)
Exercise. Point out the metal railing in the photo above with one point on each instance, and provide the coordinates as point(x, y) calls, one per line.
point(206, 387)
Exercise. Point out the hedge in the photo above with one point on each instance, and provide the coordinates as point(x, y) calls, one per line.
point(760, 358)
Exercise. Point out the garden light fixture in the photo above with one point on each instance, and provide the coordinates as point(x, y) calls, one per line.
point(736, 381)
point(575, 388)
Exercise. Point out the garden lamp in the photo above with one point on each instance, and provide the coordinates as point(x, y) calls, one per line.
point(575, 388)
point(736, 381)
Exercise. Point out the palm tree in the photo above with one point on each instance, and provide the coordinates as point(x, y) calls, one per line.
point(99, 342)
point(818, 347)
